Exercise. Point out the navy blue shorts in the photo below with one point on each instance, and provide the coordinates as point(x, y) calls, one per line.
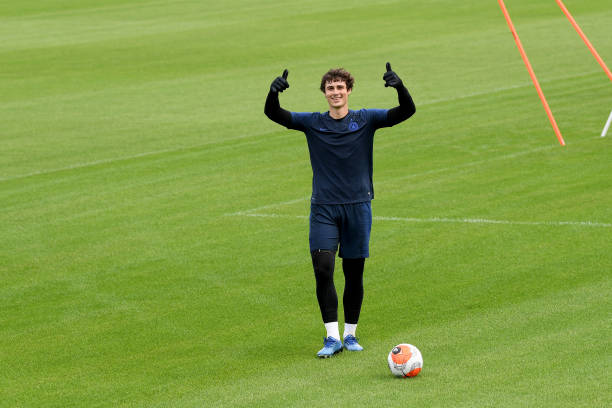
point(346, 224)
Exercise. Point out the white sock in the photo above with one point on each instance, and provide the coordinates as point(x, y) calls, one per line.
point(332, 330)
point(349, 329)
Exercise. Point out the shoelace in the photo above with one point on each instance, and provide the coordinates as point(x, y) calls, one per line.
point(350, 340)
point(329, 342)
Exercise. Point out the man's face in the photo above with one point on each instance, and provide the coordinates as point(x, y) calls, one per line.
point(336, 93)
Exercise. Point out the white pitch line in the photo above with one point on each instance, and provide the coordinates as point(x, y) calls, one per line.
point(449, 220)
point(250, 211)
point(413, 175)
point(607, 126)
point(487, 221)
point(269, 215)
point(264, 207)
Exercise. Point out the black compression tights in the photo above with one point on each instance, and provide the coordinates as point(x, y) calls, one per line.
point(323, 264)
point(353, 288)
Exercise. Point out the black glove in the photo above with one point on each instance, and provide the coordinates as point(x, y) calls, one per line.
point(391, 78)
point(280, 83)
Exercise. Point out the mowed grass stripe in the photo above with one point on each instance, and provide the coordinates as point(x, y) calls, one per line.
point(199, 108)
point(264, 137)
point(503, 363)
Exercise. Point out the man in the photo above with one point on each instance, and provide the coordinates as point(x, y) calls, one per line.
point(340, 144)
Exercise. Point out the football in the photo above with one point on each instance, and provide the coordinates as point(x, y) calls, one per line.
point(405, 360)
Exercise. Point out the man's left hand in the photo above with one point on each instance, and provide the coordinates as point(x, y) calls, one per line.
point(391, 78)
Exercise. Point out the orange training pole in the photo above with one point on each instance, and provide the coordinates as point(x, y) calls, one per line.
point(532, 74)
point(585, 39)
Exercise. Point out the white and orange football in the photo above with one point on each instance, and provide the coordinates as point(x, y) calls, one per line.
point(405, 360)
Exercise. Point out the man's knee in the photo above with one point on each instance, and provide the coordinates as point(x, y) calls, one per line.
point(323, 261)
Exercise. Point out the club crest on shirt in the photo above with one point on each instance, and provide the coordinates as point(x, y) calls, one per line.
point(353, 126)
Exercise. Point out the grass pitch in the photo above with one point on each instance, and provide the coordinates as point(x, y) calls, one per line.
point(153, 240)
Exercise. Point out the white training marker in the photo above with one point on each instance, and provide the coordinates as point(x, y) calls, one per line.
point(605, 129)
point(445, 220)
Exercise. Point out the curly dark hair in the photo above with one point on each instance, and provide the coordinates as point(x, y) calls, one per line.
point(337, 74)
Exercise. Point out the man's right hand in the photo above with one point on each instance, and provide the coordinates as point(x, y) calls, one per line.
point(280, 83)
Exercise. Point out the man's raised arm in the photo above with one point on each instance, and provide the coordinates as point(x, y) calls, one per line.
point(272, 108)
point(406, 106)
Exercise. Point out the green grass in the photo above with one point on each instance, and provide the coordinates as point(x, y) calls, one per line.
point(135, 153)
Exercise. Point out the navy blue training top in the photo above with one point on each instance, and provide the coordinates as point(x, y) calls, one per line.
point(340, 153)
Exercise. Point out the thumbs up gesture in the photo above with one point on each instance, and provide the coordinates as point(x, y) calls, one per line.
point(280, 83)
point(391, 78)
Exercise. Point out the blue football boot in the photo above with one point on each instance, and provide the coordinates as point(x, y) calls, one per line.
point(331, 346)
point(350, 343)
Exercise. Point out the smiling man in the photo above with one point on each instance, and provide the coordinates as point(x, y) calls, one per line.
point(340, 143)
